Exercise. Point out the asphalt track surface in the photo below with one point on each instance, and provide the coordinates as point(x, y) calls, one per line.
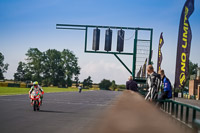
point(63, 112)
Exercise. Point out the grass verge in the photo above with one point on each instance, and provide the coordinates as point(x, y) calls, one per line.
point(17, 91)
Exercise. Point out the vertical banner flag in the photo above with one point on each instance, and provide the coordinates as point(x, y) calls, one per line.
point(144, 69)
point(139, 72)
point(183, 47)
point(161, 42)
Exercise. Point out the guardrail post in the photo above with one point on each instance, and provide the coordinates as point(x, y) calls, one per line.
point(172, 109)
point(162, 106)
point(196, 125)
point(194, 115)
point(177, 110)
point(165, 106)
point(181, 115)
point(168, 106)
point(187, 115)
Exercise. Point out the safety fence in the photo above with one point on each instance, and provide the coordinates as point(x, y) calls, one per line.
point(188, 114)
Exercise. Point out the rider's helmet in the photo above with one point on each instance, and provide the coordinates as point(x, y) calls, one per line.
point(35, 84)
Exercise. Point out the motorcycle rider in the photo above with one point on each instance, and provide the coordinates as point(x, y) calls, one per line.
point(39, 88)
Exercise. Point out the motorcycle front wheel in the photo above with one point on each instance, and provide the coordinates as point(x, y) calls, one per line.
point(34, 106)
point(38, 107)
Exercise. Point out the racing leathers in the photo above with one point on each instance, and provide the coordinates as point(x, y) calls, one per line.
point(39, 88)
point(153, 84)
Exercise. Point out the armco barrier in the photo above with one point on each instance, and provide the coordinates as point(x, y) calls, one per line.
point(13, 85)
point(3, 84)
point(22, 85)
point(6, 84)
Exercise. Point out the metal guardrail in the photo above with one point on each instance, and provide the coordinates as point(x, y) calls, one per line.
point(172, 107)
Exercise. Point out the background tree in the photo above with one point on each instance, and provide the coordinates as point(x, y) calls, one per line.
point(49, 67)
point(53, 71)
point(20, 74)
point(3, 67)
point(87, 83)
point(76, 79)
point(121, 87)
point(70, 64)
point(113, 85)
point(35, 63)
point(105, 84)
point(192, 70)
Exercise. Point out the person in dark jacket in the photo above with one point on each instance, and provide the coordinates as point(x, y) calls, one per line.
point(131, 84)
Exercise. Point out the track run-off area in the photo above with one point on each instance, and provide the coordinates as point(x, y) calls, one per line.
point(62, 112)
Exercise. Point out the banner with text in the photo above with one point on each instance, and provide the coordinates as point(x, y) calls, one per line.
point(183, 47)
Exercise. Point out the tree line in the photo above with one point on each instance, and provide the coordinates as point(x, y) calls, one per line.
point(51, 67)
point(58, 68)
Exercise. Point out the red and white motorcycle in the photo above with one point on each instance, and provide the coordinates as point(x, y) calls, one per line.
point(35, 100)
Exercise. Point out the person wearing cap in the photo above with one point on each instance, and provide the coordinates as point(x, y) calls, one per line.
point(131, 84)
point(37, 87)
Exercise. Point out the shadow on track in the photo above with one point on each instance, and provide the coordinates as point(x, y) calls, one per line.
point(52, 111)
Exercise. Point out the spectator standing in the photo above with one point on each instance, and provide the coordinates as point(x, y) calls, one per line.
point(153, 83)
point(166, 88)
point(131, 84)
point(80, 88)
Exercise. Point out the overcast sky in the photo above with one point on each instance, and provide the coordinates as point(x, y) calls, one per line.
point(28, 24)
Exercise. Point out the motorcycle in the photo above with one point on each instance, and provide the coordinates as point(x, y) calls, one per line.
point(35, 100)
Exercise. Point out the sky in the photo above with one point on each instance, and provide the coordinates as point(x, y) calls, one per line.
point(28, 24)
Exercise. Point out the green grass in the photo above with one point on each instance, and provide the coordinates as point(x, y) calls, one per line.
point(17, 91)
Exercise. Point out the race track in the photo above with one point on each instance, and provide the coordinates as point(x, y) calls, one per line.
point(63, 112)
